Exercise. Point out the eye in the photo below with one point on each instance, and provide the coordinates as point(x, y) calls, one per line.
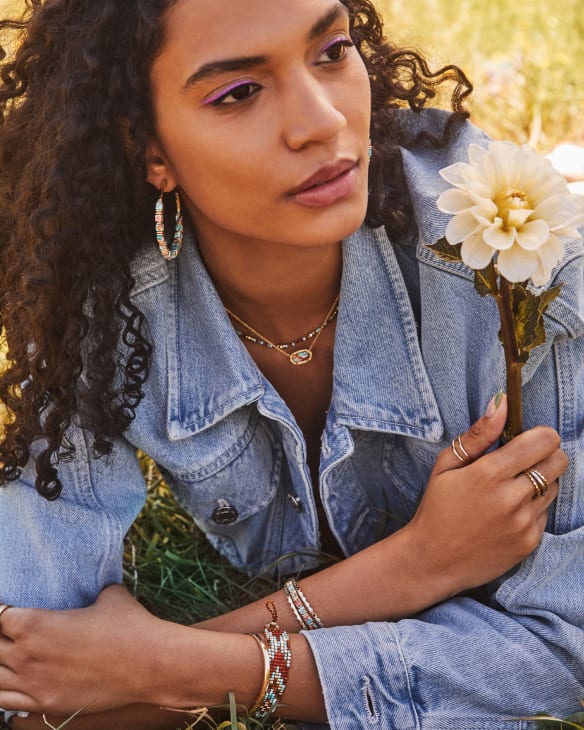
point(234, 94)
point(335, 50)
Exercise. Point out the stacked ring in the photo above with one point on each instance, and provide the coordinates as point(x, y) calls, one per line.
point(459, 451)
point(540, 483)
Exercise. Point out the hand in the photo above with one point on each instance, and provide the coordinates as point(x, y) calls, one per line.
point(477, 521)
point(60, 661)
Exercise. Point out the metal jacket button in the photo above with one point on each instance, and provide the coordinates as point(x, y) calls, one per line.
point(224, 513)
point(296, 502)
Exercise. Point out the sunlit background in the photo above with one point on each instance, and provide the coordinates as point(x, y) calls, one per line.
point(525, 58)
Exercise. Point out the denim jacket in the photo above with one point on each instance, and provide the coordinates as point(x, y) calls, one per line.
point(416, 361)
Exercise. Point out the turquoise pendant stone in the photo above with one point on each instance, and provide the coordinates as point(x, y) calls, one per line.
point(301, 357)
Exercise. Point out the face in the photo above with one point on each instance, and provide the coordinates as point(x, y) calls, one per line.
point(262, 116)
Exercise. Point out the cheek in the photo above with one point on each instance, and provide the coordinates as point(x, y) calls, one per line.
point(364, 105)
point(226, 190)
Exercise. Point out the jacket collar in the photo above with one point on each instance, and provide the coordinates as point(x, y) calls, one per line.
point(380, 381)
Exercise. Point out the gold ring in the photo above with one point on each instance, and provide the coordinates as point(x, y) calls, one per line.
point(459, 451)
point(540, 483)
point(3, 607)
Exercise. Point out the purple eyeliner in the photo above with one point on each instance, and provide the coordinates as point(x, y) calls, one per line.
point(226, 91)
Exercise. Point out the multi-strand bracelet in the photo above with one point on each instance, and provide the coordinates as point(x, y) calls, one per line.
point(301, 608)
point(275, 646)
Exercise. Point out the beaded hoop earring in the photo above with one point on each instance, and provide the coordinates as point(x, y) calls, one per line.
point(370, 149)
point(172, 251)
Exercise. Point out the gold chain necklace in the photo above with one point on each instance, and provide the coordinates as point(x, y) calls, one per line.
point(298, 357)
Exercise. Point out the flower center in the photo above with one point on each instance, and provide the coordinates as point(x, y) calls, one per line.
point(510, 200)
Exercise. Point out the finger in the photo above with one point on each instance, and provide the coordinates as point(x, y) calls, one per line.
point(18, 701)
point(471, 444)
point(538, 485)
point(541, 502)
point(538, 447)
point(3, 608)
point(9, 621)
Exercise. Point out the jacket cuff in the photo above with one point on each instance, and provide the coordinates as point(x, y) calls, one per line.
point(363, 676)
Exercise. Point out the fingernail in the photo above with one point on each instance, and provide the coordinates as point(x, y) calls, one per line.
point(494, 403)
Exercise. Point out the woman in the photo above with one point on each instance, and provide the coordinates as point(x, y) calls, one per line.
point(254, 118)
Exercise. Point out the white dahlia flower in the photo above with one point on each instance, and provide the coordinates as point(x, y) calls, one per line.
point(509, 201)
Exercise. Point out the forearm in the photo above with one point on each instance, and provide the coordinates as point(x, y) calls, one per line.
point(387, 581)
point(208, 665)
point(115, 654)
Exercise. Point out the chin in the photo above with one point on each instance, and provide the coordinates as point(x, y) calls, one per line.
point(347, 219)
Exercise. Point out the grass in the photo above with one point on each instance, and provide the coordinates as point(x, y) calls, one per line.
point(171, 568)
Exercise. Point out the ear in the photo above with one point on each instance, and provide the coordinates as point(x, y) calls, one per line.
point(159, 172)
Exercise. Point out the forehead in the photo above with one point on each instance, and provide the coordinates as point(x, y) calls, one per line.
point(207, 30)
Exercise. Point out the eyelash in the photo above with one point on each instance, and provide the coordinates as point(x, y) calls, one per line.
point(219, 100)
point(338, 44)
point(341, 44)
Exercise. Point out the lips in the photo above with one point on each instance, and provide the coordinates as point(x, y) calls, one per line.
point(324, 175)
point(327, 185)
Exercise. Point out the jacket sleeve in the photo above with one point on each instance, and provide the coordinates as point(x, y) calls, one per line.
point(60, 554)
point(470, 665)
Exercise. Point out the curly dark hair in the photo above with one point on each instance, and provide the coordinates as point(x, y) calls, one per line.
point(75, 209)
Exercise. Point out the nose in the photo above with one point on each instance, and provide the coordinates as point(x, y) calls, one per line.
point(310, 113)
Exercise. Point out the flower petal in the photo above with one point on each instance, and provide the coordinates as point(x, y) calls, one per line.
point(454, 201)
point(456, 174)
point(541, 275)
point(475, 252)
point(568, 232)
point(549, 255)
point(476, 153)
point(552, 252)
point(517, 264)
point(517, 218)
point(498, 237)
point(462, 225)
point(551, 207)
point(533, 235)
point(485, 209)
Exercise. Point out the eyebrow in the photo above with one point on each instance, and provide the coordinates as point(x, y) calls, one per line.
point(216, 68)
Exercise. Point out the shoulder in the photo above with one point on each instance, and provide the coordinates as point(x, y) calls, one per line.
point(148, 269)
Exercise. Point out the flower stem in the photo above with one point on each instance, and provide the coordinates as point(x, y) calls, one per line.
point(514, 425)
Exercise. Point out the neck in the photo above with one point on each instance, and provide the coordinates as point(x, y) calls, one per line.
point(280, 290)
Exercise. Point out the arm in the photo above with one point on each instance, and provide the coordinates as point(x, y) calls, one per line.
point(429, 560)
point(197, 667)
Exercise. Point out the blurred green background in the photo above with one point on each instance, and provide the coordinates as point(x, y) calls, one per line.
point(525, 58)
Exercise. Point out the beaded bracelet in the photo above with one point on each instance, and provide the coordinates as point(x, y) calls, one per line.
point(301, 608)
point(276, 645)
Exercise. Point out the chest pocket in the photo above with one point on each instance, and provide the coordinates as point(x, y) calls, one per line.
point(231, 491)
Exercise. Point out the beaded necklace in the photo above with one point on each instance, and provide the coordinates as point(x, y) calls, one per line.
point(298, 357)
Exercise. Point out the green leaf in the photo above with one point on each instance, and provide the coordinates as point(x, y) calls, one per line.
point(446, 251)
point(451, 253)
point(528, 311)
point(483, 281)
